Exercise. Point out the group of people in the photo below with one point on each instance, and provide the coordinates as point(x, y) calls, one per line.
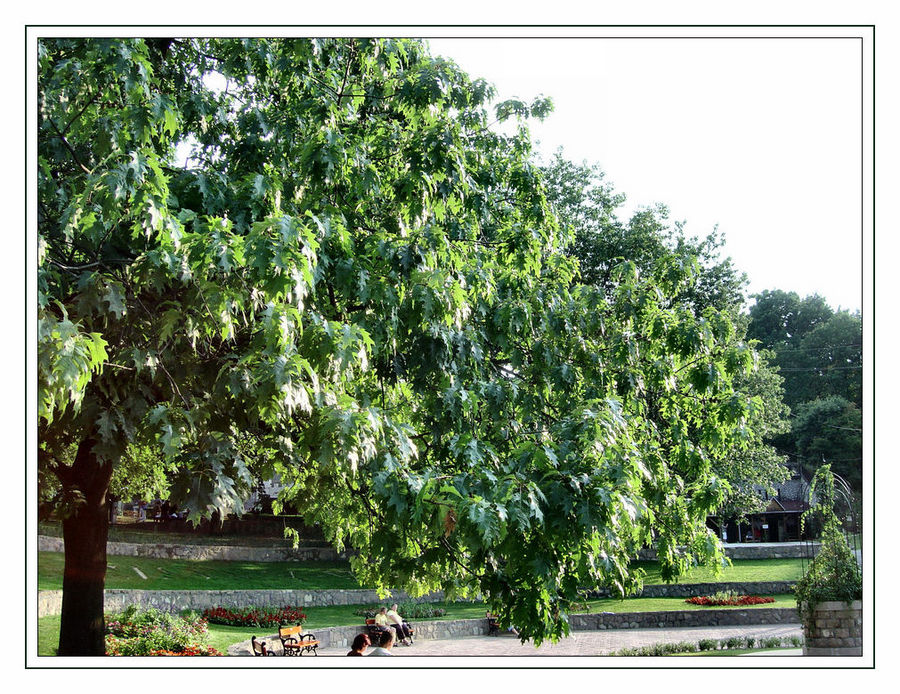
point(389, 627)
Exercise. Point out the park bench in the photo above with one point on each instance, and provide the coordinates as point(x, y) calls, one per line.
point(493, 625)
point(372, 628)
point(295, 642)
point(259, 647)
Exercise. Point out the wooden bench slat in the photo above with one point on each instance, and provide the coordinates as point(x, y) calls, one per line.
point(294, 641)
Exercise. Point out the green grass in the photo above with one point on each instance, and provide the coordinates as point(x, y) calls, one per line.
point(126, 532)
point(48, 635)
point(667, 604)
point(220, 636)
point(183, 574)
point(742, 570)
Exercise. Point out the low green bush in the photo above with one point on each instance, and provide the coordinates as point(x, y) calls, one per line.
point(733, 643)
point(834, 574)
point(409, 611)
point(152, 632)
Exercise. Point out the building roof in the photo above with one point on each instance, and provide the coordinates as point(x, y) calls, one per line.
point(786, 506)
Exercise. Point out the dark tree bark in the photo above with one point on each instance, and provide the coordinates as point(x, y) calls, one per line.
point(85, 533)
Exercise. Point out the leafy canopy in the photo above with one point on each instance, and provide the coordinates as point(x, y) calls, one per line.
point(356, 285)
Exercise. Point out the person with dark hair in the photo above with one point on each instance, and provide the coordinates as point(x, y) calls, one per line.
point(360, 644)
point(384, 645)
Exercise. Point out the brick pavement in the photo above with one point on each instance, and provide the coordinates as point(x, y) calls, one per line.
point(583, 643)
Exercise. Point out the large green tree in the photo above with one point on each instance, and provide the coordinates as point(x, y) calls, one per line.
point(356, 284)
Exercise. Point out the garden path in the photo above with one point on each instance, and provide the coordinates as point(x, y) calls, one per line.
point(584, 643)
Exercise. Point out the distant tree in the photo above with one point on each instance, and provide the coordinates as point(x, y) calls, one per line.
point(601, 241)
point(779, 318)
point(818, 352)
point(826, 361)
point(829, 430)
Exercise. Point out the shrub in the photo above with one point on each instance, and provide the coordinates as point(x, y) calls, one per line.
point(253, 616)
point(834, 574)
point(409, 610)
point(734, 642)
point(152, 632)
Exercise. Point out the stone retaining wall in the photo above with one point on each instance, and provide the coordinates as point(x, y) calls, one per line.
point(835, 629)
point(204, 552)
point(690, 590)
point(116, 600)
point(688, 618)
point(787, 550)
point(749, 550)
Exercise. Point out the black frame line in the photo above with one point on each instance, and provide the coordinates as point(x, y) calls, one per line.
point(29, 31)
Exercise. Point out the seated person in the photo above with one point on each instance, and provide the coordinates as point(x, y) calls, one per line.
point(493, 624)
point(382, 622)
point(384, 645)
point(404, 632)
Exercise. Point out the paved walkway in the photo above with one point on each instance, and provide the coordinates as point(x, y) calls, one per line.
point(584, 643)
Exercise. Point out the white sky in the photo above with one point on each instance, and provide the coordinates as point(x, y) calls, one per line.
point(759, 136)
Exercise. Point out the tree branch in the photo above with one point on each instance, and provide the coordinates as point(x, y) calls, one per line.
point(69, 147)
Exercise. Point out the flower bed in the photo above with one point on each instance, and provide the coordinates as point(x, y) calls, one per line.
point(728, 599)
point(255, 616)
point(152, 632)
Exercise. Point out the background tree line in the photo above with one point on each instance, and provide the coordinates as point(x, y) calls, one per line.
point(810, 372)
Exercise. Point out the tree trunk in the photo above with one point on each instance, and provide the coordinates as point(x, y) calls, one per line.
point(84, 534)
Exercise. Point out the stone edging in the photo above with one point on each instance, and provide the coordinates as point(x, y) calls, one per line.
point(115, 600)
point(48, 543)
point(690, 590)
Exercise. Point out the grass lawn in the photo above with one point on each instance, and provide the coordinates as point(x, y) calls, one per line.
point(183, 574)
point(742, 570)
point(220, 637)
point(667, 604)
point(124, 532)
